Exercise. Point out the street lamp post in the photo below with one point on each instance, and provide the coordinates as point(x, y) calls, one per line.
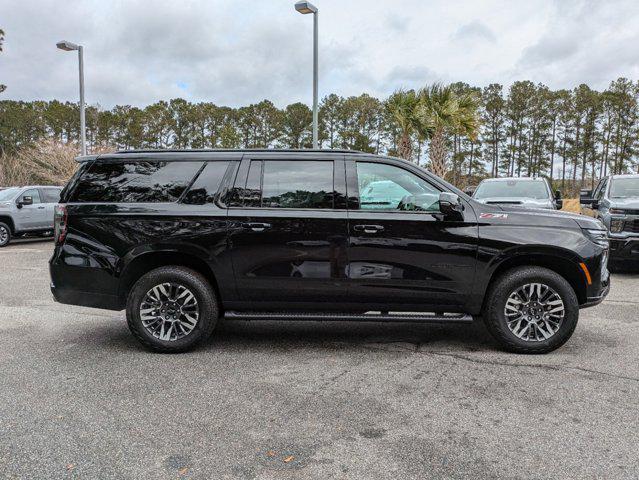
point(305, 8)
point(68, 46)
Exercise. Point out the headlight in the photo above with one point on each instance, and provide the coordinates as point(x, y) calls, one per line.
point(600, 237)
point(617, 211)
point(616, 225)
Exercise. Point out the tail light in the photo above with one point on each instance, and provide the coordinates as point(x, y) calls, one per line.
point(60, 224)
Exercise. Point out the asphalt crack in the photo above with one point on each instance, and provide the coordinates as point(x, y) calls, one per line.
point(529, 365)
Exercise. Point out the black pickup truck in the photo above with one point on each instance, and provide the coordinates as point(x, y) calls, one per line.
point(181, 239)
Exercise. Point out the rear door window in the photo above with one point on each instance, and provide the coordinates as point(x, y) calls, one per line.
point(51, 195)
point(135, 182)
point(285, 184)
point(297, 184)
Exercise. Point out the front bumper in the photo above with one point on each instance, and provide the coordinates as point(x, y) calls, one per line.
point(596, 300)
point(624, 248)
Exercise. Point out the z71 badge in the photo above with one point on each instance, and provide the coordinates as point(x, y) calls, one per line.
point(493, 215)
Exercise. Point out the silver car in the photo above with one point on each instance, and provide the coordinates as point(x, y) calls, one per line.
point(526, 192)
point(27, 211)
point(615, 202)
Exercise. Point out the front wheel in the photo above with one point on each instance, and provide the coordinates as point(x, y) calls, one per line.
point(531, 310)
point(172, 309)
point(5, 235)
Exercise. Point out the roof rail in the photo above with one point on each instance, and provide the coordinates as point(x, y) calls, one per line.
point(203, 150)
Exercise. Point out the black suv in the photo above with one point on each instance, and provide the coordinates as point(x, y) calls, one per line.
point(183, 238)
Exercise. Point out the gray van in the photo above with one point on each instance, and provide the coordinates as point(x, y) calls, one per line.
point(27, 211)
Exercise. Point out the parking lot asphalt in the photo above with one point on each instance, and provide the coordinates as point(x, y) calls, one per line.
point(79, 398)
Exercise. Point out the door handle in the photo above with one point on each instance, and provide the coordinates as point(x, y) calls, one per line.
point(40, 208)
point(257, 227)
point(368, 228)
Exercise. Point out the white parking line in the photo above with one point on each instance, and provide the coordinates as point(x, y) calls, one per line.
point(22, 250)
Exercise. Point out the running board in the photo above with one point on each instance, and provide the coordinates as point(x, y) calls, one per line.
point(419, 317)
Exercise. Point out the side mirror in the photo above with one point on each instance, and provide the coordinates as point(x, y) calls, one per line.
point(26, 200)
point(557, 194)
point(450, 204)
point(469, 191)
point(585, 198)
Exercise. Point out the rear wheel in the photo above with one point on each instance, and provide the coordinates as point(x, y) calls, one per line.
point(5, 234)
point(172, 309)
point(531, 310)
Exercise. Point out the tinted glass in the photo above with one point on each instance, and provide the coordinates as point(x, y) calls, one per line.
point(251, 195)
point(129, 182)
point(513, 188)
point(34, 194)
point(207, 184)
point(297, 184)
point(386, 187)
point(624, 187)
point(51, 195)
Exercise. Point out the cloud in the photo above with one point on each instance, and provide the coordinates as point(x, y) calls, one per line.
point(584, 42)
point(137, 52)
point(474, 31)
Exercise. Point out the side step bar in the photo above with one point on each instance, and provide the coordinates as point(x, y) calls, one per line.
point(419, 317)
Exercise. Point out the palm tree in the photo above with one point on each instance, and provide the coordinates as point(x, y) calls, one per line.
point(402, 107)
point(441, 112)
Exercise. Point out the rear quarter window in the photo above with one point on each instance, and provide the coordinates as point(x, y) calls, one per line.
point(207, 184)
point(135, 182)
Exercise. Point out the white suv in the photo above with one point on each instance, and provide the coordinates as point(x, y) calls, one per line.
point(27, 210)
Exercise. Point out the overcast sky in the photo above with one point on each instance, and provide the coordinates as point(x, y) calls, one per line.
point(234, 52)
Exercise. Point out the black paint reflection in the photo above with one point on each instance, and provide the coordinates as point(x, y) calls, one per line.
point(135, 181)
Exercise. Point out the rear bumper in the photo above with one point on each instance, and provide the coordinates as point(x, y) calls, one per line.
point(86, 299)
point(73, 285)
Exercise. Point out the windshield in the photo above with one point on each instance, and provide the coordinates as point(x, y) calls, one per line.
point(8, 194)
point(513, 188)
point(624, 187)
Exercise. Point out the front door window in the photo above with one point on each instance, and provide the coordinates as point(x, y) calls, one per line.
point(390, 188)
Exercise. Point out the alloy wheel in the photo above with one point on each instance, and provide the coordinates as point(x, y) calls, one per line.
point(4, 235)
point(534, 312)
point(169, 311)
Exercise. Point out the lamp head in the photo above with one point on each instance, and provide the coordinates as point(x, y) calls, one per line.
point(68, 46)
point(305, 7)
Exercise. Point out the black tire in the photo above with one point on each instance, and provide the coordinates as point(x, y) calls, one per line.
point(206, 300)
point(5, 234)
point(507, 283)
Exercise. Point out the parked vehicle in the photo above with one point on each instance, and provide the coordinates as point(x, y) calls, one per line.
point(615, 201)
point(525, 192)
point(182, 238)
point(27, 211)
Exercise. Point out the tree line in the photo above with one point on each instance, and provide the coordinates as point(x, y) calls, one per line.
point(570, 136)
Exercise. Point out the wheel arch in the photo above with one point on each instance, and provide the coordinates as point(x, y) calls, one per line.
point(9, 221)
point(143, 263)
point(564, 265)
